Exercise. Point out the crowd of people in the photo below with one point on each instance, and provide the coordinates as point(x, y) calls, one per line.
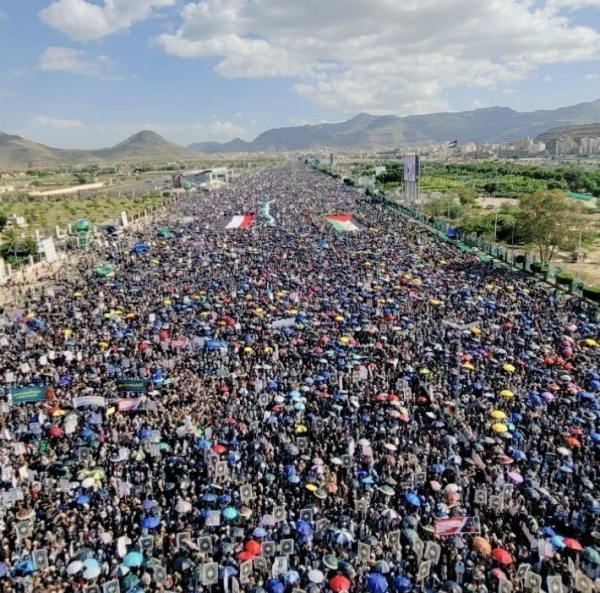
point(287, 406)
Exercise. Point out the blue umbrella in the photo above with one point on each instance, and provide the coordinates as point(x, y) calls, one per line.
point(548, 531)
point(275, 586)
point(227, 571)
point(203, 444)
point(224, 499)
point(150, 522)
point(23, 568)
point(595, 436)
point(82, 499)
point(402, 584)
point(413, 499)
point(148, 504)
point(90, 563)
point(303, 528)
point(133, 559)
point(558, 542)
point(437, 468)
point(377, 582)
point(208, 497)
point(368, 480)
point(259, 532)
point(292, 577)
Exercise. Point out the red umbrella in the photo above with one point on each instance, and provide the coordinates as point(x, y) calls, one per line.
point(502, 556)
point(253, 547)
point(55, 431)
point(245, 556)
point(499, 574)
point(339, 583)
point(219, 448)
point(572, 543)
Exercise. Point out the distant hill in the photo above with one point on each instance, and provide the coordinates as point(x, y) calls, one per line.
point(576, 133)
point(145, 146)
point(370, 132)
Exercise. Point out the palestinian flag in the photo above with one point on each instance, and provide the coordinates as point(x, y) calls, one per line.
point(242, 221)
point(344, 222)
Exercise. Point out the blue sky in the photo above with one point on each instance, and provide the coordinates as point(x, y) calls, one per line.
point(89, 73)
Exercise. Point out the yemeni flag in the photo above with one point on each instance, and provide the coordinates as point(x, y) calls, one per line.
point(344, 222)
point(242, 221)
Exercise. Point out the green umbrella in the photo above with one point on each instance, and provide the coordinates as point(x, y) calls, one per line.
point(410, 534)
point(230, 513)
point(387, 490)
point(592, 555)
point(163, 447)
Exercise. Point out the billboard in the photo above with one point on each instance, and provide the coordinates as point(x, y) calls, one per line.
point(411, 167)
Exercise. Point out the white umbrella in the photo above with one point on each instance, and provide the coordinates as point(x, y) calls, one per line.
point(343, 537)
point(363, 442)
point(88, 483)
point(183, 506)
point(105, 537)
point(75, 567)
point(91, 573)
point(390, 514)
point(316, 576)
point(390, 447)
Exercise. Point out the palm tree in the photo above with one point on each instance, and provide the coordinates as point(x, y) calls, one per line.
point(10, 242)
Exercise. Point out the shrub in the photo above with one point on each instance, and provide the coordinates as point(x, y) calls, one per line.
point(536, 267)
point(564, 278)
point(592, 293)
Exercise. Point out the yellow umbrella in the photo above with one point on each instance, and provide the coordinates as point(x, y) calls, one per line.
point(468, 366)
point(510, 287)
point(416, 281)
point(367, 264)
point(475, 330)
point(167, 301)
point(103, 344)
point(442, 262)
point(489, 286)
point(30, 315)
point(280, 293)
point(247, 349)
point(130, 316)
point(155, 261)
point(507, 393)
point(268, 349)
point(344, 340)
point(301, 429)
point(590, 342)
point(118, 312)
point(498, 415)
point(78, 294)
point(509, 368)
point(293, 311)
point(67, 331)
point(435, 302)
point(339, 318)
point(499, 428)
point(311, 487)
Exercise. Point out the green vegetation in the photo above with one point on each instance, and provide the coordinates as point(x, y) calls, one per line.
point(500, 180)
point(45, 214)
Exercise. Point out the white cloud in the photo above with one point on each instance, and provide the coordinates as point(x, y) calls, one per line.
point(61, 124)
point(591, 76)
point(86, 21)
point(75, 61)
point(383, 55)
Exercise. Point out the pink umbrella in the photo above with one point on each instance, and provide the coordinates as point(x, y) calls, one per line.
point(499, 574)
point(547, 396)
point(516, 477)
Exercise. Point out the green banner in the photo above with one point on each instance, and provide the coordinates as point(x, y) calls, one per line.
point(22, 395)
point(132, 385)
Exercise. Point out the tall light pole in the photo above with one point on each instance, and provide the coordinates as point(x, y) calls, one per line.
point(459, 327)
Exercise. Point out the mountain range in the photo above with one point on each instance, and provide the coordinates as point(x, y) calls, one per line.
point(371, 132)
point(363, 132)
point(143, 147)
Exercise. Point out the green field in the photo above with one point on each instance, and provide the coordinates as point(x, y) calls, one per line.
point(46, 213)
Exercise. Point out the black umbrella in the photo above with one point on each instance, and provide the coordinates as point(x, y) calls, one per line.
point(182, 564)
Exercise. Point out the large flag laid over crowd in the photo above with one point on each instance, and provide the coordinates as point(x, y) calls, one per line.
point(344, 222)
point(242, 221)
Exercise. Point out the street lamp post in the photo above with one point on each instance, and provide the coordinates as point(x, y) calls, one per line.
point(459, 327)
